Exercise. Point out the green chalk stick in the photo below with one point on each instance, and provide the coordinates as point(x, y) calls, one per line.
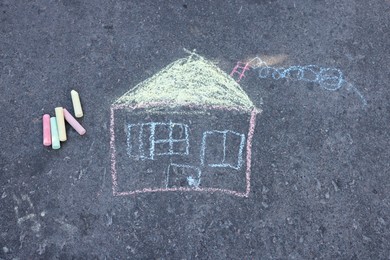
point(55, 140)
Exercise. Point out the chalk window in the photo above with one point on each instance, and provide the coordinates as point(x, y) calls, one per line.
point(222, 149)
point(148, 140)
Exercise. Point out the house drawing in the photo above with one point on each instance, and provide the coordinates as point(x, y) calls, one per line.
point(187, 128)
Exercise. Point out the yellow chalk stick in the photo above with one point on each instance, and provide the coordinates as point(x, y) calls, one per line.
point(61, 123)
point(78, 111)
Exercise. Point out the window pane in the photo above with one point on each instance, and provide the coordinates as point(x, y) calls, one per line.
point(161, 148)
point(222, 149)
point(180, 147)
point(234, 145)
point(179, 131)
point(212, 148)
point(161, 131)
point(133, 140)
point(138, 143)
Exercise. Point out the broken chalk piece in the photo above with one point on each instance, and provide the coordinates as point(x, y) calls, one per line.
point(55, 141)
point(46, 130)
point(78, 111)
point(60, 123)
point(73, 122)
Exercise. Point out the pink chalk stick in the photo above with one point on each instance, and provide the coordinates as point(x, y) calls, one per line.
point(46, 130)
point(73, 122)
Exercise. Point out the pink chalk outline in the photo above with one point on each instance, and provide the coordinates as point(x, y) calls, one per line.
point(251, 130)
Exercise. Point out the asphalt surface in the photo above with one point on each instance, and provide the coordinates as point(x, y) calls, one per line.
point(320, 155)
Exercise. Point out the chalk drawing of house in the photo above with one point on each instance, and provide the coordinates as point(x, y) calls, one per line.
point(187, 128)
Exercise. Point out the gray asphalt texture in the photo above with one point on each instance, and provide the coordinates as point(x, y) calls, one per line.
point(320, 169)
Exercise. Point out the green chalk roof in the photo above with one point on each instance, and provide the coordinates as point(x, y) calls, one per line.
point(191, 81)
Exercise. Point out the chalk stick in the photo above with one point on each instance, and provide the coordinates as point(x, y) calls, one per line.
point(60, 123)
point(78, 111)
point(55, 141)
point(46, 130)
point(73, 122)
